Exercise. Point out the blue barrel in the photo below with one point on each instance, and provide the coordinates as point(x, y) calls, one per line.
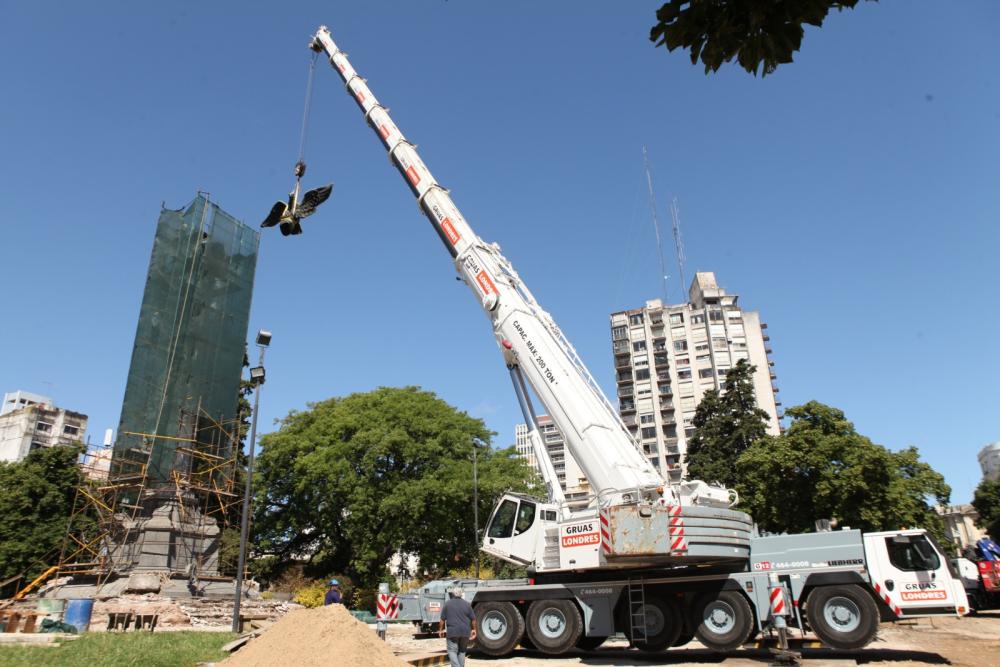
point(78, 613)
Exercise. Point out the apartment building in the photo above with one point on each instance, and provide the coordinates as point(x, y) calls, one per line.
point(989, 461)
point(667, 356)
point(571, 478)
point(38, 425)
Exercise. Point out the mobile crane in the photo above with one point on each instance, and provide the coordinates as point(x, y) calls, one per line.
point(656, 561)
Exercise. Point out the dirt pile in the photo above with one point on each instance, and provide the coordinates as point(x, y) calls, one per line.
point(322, 636)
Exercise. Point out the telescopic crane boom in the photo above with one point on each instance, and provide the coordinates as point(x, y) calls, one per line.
point(538, 354)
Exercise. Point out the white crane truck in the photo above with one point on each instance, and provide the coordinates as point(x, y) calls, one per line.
point(660, 563)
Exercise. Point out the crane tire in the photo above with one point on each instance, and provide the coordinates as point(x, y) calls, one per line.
point(685, 638)
point(499, 627)
point(843, 617)
point(554, 626)
point(722, 620)
point(664, 623)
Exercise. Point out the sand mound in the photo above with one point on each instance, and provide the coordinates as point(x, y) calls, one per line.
point(322, 636)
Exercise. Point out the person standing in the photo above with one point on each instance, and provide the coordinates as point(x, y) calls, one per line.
point(332, 594)
point(457, 626)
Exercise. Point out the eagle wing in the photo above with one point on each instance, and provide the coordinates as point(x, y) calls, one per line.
point(312, 199)
point(274, 217)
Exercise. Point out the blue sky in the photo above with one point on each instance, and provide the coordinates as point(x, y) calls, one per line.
point(851, 198)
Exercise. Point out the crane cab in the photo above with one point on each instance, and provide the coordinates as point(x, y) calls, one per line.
point(517, 530)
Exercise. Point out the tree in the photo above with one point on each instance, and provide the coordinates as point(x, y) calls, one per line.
point(726, 425)
point(760, 34)
point(821, 468)
point(986, 500)
point(352, 481)
point(36, 499)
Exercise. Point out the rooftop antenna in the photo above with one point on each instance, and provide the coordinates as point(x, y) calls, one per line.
point(675, 215)
point(656, 223)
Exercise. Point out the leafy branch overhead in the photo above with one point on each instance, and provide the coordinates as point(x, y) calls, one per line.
point(759, 34)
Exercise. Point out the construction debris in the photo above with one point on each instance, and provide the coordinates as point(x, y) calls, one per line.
point(321, 636)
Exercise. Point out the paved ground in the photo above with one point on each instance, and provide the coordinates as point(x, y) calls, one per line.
point(973, 641)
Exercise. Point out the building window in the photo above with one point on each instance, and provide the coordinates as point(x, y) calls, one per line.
point(639, 346)
point(648, 432)
point(703, 357)
point(642, 374)
point(646, 419)
point(677, 318)
point(620, 346)
point(644, 392)
point(688, 433)
point(682, 361)
point(715, 316)
point(698, 318)
point(684, 374)
point(635, 320)
point(701, 347)
point(719, 343)
point(618, 333)
point(641, 362)
point(680, 346)
point(70, 430)
point(627, 404)
point(706, 373)
point(42, 427)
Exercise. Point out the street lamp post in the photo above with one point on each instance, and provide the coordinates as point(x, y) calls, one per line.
point(475, 502)
point(256, 381)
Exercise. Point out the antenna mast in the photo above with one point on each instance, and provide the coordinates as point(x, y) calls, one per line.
point(656, 224)
point(678, 241)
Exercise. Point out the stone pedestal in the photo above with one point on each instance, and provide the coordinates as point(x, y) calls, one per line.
point(168, 535)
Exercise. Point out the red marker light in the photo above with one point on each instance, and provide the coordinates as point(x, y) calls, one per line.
point(507, 344)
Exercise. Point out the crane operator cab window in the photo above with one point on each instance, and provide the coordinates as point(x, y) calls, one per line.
point(502, 524)
point(912, 553)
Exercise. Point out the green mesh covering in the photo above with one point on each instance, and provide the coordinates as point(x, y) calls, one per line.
point(190, 341)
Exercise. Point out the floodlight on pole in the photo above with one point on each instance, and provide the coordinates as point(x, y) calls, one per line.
point(256, 380)
point(257, 375)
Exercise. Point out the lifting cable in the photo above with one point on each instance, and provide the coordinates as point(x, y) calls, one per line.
point(305, 118)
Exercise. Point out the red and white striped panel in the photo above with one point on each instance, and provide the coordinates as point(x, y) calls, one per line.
point(387, 607)
point(677, 542)
point(885, 597)
point(605, 532)
point(778, 606)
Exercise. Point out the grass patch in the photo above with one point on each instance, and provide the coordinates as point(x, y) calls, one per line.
point(145, 649)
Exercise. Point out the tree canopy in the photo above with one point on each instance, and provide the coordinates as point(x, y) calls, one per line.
point(352, 481)
point(36, 499)
point(987, 503)
point(822, 468)
point(759, 34)
point(726, 425)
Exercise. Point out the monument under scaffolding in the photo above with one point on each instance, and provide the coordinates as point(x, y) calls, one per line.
point(171, 486)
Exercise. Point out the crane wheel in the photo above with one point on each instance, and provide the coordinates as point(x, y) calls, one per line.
point(554, 626)
point(722, 620)
point(843, 617)
point(664, 623)
point(499, 628)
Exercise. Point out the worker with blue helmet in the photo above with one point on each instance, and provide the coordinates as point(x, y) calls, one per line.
point(332, 594)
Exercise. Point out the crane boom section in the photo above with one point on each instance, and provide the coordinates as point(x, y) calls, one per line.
point(528, 338)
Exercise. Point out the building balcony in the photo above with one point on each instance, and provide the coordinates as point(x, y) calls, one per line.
point(623, 360)
point(629, 422)
point(627, 409)
point(624, 377)
point(773, 375)
point(625, 391)
point(768, 350)
point(661, 361)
